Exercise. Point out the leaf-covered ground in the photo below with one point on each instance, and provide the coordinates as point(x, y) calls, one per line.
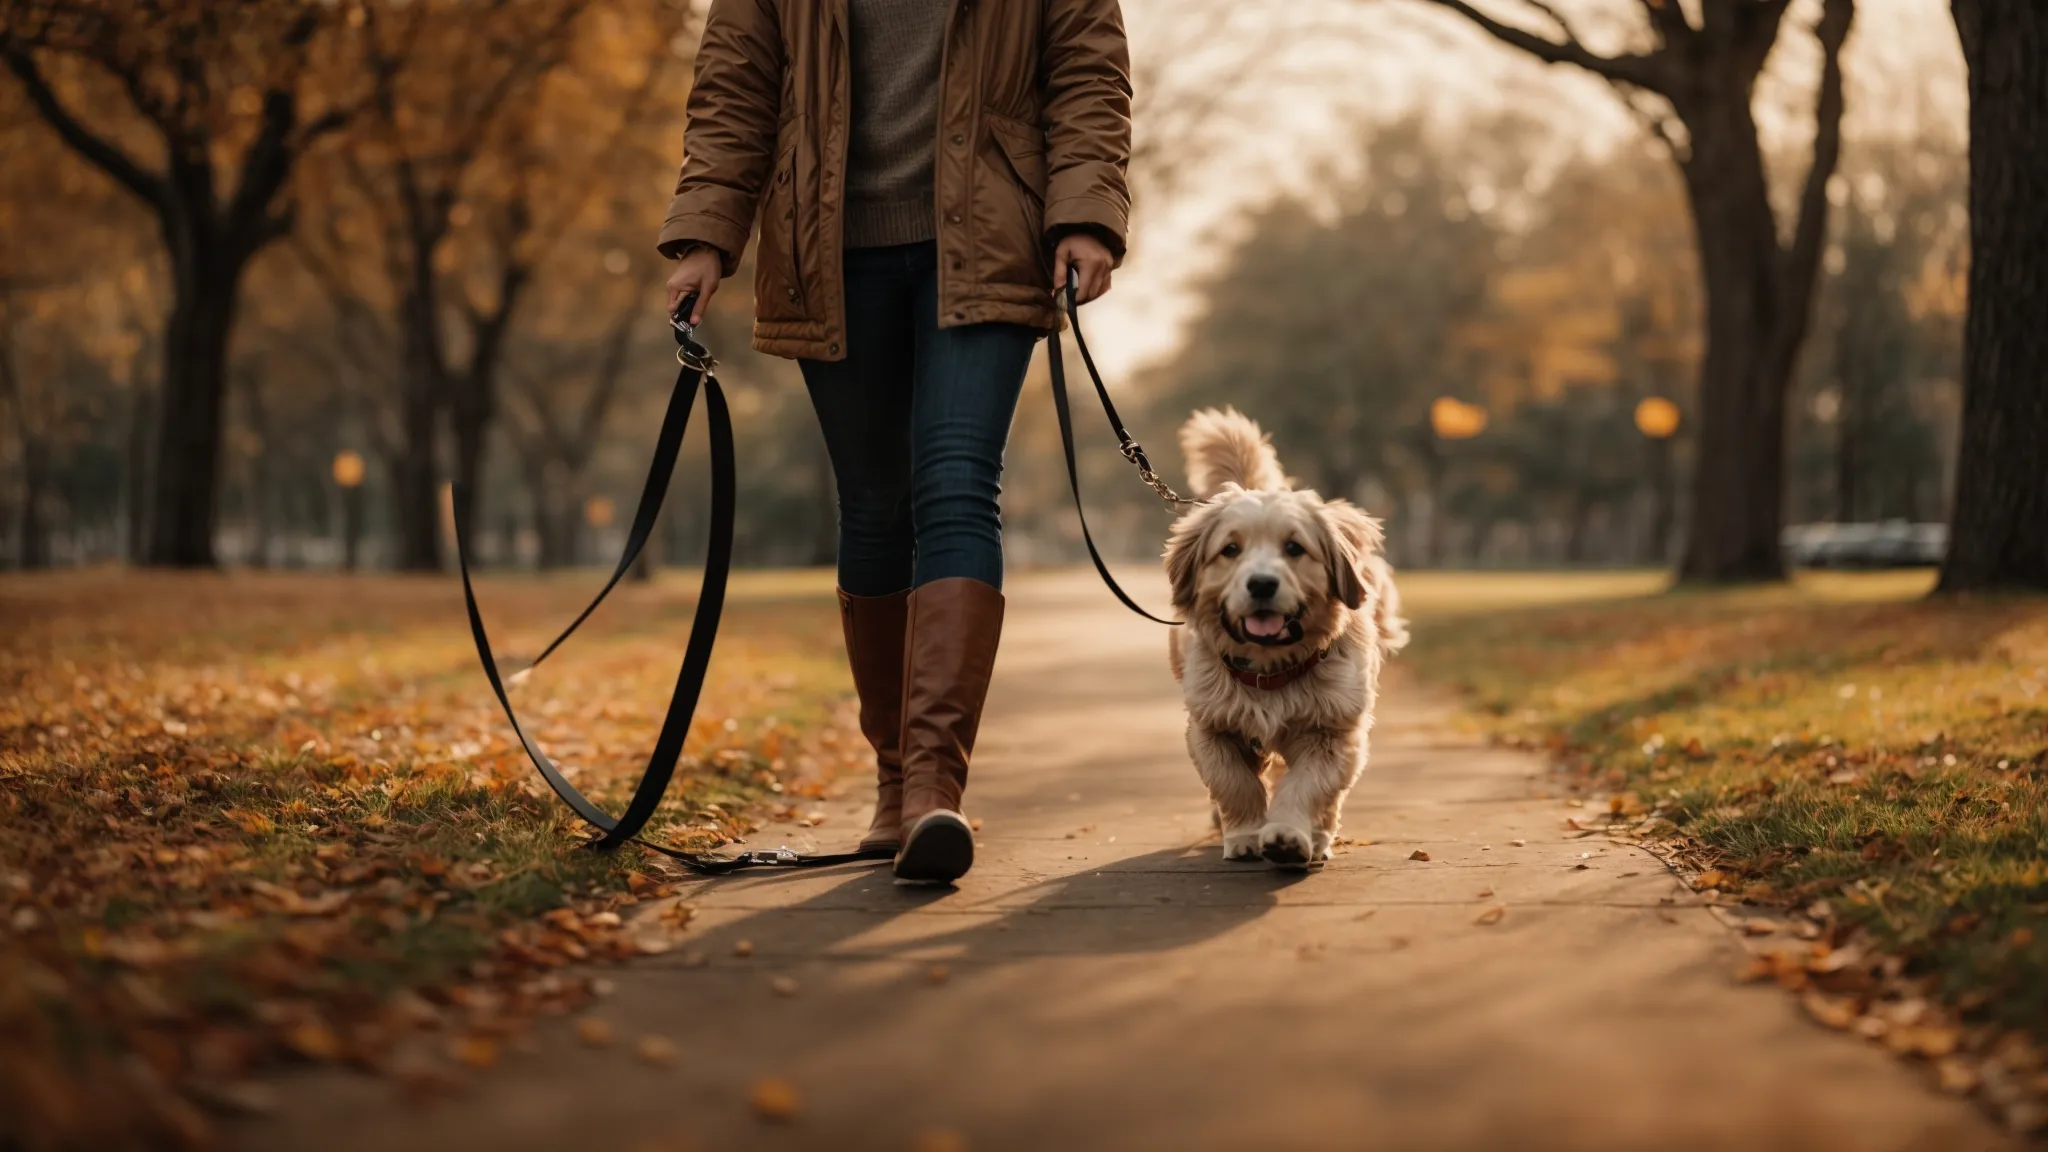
point(253, 819)
point(1861, 769)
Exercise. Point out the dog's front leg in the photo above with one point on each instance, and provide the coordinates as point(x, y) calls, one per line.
point(1322, 764)
point(1230, 769)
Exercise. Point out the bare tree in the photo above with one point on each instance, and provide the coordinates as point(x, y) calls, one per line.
point(1759, 277)
point(1999, 532)
point(219, 88)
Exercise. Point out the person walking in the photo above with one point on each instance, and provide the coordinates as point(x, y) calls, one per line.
point(923, 173)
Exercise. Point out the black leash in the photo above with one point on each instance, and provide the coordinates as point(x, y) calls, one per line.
point(1131, 449)
point(697, 373)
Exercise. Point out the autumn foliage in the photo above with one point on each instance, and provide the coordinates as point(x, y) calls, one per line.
point(251, 820)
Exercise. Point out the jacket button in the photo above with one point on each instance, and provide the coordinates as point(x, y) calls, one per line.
point(956, 263)
point(959, 315)
point(832, 348)
point(959, 138)
point(790, 292)
point(952, 218)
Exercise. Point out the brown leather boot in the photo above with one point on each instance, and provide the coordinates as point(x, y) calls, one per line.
point(873, 626)
point(949, 652)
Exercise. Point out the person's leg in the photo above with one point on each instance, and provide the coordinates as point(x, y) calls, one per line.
point(863, 406)
point(965, 395)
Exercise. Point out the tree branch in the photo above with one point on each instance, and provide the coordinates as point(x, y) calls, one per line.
point(97, 150)
point(1667, 19)
point(1809, 237)
point(1644, 70)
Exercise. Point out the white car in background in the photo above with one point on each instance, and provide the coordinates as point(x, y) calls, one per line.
point(1890, 544)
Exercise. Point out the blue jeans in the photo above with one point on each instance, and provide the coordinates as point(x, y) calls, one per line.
point(915, 419)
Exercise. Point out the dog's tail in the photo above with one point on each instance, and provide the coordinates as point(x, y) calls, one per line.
point(1386, 616)
point(1224, 446)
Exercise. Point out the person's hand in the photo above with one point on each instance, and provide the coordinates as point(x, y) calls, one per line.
point(698, 271)
point(1087, 256)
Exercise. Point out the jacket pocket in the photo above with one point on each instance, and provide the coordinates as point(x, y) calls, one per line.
point(1011, 216)
point(1023, 149)
point(778, 282)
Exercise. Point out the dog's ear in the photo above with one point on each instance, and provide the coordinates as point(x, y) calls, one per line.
point(1351, 539)
point(1184, 550)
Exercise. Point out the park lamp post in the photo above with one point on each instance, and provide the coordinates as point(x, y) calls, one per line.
point(348, 474)
point(1658, 419)
point(597, 512)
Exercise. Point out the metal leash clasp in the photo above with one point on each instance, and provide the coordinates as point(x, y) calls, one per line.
point(783, 857)
point(1135, 454)
point(689, 353)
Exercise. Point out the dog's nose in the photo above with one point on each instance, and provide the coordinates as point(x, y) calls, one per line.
point(1262, 587)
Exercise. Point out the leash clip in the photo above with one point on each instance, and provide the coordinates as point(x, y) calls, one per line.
point(783, 857)
point(696, 357)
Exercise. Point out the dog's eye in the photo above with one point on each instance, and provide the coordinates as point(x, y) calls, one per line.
point(1230, 550)
point(1294, 548)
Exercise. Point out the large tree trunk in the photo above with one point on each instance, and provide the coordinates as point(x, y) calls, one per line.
point(141, 418)
point(35, 502)
point(1738, 479)
point(185, 494)
point(1999, 532)
point(415, 475)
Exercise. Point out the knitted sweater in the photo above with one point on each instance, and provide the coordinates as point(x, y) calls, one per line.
point(896, 46)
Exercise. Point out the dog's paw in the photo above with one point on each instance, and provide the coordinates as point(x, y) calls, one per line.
point(1287, 846)
point(1322, 846)
point(1241, 845)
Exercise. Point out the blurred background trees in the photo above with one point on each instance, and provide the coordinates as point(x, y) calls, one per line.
point(278, 279)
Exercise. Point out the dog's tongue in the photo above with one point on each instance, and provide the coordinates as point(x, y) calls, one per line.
point(1265, 624)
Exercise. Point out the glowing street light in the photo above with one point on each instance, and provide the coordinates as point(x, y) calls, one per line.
point(1658, 418)
point(348, 473)
point(1453, 419)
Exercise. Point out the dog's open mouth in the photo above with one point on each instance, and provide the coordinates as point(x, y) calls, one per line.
point(1272, 629)
point(1265, 625)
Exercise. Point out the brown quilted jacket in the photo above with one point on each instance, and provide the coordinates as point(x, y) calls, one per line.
point(1034, 134)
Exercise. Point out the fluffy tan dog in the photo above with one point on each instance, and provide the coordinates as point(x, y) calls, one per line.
point(1290, 612)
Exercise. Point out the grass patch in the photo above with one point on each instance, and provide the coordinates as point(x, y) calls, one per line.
point(1839, 742)
point(249, 818)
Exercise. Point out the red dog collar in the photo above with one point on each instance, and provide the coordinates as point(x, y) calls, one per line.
point(1280, 679)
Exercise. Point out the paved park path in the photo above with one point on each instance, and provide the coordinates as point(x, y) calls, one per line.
point(1109, 983)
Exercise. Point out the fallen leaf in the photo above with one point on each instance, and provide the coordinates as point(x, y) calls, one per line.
point(939, 1140)
point(1519, 843)
point(774, 1099)
point(743, 948)
point(1419, 854)
point(1491, 915)
point(1956, 1076)
point(1933, 1043)
point(784, 985)
point(313, 1040)
point(1837, 1012)
point(594, 1033)
point(1485, 892)
point(658, 1051)
point(937, 974)
point(1758, 927)
point(476, 1052)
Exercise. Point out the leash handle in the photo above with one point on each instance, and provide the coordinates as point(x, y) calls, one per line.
point(1056, 362)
